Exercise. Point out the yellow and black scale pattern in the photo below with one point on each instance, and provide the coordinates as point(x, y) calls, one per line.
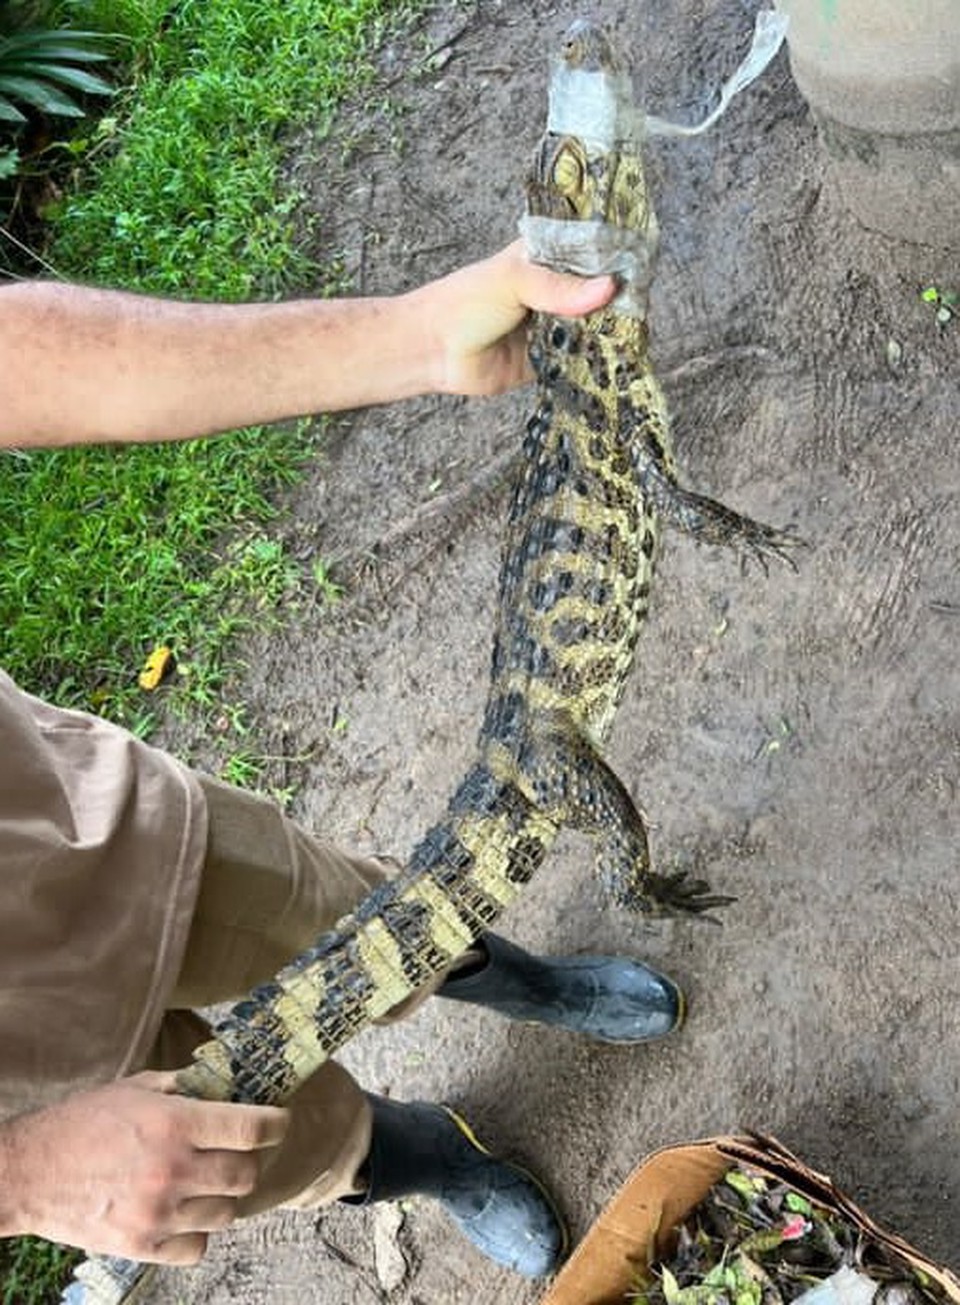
point(578, 559)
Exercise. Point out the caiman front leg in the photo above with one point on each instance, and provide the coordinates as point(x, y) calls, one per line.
point(571, 783)
point(708, 521)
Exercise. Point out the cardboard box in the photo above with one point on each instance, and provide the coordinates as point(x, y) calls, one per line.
point(638, 1226)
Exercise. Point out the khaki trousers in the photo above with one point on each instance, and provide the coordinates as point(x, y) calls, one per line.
point(268, 889)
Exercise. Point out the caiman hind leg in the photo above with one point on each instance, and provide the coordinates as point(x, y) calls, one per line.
point(572, 784)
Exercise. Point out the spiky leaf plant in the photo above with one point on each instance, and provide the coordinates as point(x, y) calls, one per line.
point(45, 69)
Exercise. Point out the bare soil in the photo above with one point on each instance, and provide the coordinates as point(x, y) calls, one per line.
point(795, 736)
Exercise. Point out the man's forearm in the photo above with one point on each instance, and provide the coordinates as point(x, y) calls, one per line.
point(82, 365)
point(79, 365)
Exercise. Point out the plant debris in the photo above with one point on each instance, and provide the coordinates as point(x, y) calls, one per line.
point(754, 1241)
point(159, 665)
point(945, 302)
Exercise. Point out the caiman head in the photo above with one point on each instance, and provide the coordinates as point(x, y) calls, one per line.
point(588, 167)
point(586, 45)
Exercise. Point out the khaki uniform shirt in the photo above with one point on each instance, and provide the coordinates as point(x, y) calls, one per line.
point(102, 841)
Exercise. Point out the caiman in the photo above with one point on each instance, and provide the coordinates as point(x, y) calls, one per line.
point(596, 481)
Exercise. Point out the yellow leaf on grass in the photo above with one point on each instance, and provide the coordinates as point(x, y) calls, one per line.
point(156, 668)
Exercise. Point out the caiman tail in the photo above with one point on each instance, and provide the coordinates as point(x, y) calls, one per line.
point(459, 879)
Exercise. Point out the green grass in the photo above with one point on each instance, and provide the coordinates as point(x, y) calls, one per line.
point(32, 1272)
point(190, 201)
point(108, 551)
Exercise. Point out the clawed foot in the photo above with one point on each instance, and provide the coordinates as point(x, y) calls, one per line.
point(714, 523)
point(664, 895)
point(710, 522)
point(682, 894)
point(761, 542)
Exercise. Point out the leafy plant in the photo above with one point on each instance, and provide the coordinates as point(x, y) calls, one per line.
point(44, 70)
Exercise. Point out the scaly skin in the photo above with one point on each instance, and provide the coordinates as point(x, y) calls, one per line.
point(578, 561)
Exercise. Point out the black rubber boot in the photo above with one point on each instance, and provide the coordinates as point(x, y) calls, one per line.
point(418, 1149)
point(608, 998)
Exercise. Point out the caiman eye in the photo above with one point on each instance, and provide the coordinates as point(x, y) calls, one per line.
point(571, 51)
point(568, 173)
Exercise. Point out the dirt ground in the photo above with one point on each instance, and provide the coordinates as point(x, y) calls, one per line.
point(796, 736)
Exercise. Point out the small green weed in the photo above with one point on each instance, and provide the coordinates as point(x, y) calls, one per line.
point(329, 591)
point(946, 303)
point(137, 21)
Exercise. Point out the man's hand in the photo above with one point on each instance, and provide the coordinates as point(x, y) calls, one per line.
point(478, 314)
point(130, 1169)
